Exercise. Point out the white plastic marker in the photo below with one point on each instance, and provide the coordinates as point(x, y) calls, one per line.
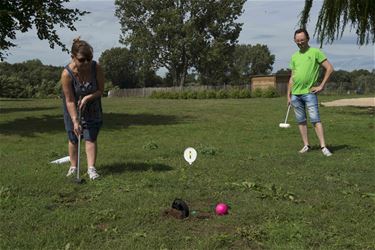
point(285, 125)
point(190, 155)
point(61, 160)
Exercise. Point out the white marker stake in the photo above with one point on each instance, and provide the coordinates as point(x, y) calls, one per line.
point(61, 160)
point(190, 155)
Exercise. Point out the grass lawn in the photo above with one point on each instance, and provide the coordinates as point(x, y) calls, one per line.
point(278, 199)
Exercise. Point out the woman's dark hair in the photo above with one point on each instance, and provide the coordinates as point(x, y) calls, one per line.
point(302, 31)
point(81, 47)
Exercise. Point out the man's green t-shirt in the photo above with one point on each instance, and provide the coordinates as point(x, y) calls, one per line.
point(305, 67)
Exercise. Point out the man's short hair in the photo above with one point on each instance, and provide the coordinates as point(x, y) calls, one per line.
point(302, 31)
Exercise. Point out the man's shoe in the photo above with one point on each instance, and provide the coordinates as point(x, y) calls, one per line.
point(305, 149)
point(71, 171)
point(91, 171)
point(326, 151)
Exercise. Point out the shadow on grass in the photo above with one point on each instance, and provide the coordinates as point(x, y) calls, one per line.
point(120, 167)
point(29, 126)
point(335, 148)
point(5, 99)
point(12, 110)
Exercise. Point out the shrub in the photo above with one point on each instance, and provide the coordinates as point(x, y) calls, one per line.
point(234, 93)
point(244, 93)
point(156, 94)
point(173, 95)
point(211, 94)
point(202, 94)
point(222, 94)
point(257, 92)
point(192, 95)
point(270, 92)
point(184, 95)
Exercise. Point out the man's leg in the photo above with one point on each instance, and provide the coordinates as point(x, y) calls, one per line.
point(303, 131)
point(312, 106)
point(320, 133)
point(299, 110)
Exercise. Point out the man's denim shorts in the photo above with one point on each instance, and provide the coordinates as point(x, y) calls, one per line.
point(301, 102)
point(89, 134)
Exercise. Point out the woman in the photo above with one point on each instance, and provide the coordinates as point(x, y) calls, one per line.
point(82, 84)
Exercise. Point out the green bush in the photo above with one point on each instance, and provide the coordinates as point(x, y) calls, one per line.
point(211, 94)
point(192, 95)
point(184, 95)
point(257, 92)
point(222, 94)
point(172, 95)
point(244, 93)
point(156, 95)
point(234, 93)
point(202, 94)
point(270, 92)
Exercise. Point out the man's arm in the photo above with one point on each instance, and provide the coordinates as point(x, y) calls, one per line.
point(328, 71)
point(290, 84)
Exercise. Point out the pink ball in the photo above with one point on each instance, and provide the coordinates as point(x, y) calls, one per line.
point(221, 209)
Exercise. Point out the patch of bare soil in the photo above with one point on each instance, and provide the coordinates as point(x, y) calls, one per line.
point(356, 102)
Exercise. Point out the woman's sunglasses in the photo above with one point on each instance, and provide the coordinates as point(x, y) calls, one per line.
point(82, 60)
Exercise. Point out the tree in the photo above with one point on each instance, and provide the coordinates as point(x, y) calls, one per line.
point(254, 60)
point(335, 15)
point(283, 71)
point(178, 35)
point(119, 67)
point(21, 15)
point(29, 79)
point(124, 69)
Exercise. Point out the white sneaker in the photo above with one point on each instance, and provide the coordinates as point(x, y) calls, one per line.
point(326, 151)
point(91, 171)
point(71, 171)
point(305, 149)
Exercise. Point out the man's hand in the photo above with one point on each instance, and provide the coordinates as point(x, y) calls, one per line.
point(316, 90)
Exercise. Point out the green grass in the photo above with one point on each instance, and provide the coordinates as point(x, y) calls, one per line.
point(278, 198)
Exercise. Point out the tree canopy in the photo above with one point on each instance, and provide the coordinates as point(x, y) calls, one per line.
point(22, 15)
point(180, 35)
point(335, 15)
point(250, 60)
point(123, 68)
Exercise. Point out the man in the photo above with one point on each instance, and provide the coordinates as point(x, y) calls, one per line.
point(305, 65)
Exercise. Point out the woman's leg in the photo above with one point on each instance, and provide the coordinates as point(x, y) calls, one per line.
point(91, 151)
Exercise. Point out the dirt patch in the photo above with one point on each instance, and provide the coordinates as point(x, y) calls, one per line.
point(356, 102)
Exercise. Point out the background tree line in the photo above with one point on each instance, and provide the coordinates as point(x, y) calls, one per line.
point(32, 79)
point(195, 42)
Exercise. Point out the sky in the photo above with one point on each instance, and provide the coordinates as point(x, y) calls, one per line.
point(270, 23)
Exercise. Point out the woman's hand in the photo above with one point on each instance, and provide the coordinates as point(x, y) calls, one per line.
point(82, 102)
point(77, 128)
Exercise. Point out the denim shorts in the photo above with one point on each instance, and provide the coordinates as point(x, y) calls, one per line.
point(89, 134)
point(301, 102)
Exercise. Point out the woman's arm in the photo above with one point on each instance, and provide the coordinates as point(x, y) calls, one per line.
point(66, 83)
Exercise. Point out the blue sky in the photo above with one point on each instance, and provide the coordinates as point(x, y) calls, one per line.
point(265, 22)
